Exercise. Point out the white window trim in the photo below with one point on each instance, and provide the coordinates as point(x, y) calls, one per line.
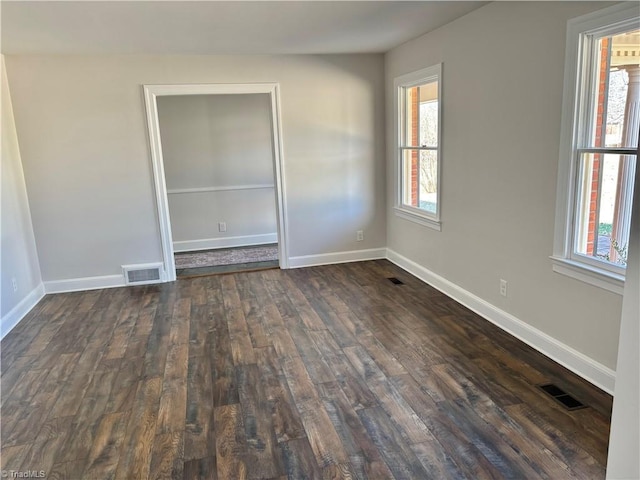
point(412, 79)
point(624, 14)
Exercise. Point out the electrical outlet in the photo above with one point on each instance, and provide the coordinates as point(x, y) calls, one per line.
point(222, 226)
point(503, 287)
point(14, 284)
point(359, 236)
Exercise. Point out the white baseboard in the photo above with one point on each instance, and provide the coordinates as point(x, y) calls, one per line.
point(18, 312)
point(224, 242)
point(86, 283)
point(337, 257)
point(577, 362)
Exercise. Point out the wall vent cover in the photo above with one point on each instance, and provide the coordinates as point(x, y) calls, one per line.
point(562, 397)
point(142, 274)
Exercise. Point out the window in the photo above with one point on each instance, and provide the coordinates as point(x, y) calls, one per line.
point(601, 120)
point(418, 150)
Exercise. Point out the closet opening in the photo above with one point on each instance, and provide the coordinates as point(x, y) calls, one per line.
point(218, 176)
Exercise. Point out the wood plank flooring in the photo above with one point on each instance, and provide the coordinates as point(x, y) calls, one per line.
point(321, 373)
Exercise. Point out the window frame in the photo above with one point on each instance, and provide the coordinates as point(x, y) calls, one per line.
point(400, 83)
point(575, 114)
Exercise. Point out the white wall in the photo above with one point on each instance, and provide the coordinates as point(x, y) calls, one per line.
point(223, 142)
point(18, 255)
point(87, 164)
point(624, 444)
point(502, 94)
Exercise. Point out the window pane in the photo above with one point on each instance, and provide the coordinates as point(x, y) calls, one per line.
point(410, 177)
point(429, 180)
point(429, 123)
point(411, 117)
point(420, 179)
point(421, 112)
point(603, 216)
point(616, 96)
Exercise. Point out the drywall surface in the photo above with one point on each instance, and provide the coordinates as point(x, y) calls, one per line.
point(222, 143)
point(503, 68)
point(19, 257)
point(86, 156)
point(624, 442)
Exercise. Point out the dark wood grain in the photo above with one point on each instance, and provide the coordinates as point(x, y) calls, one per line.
point(364, 457)
point(230, 442)
point(299, 460)
point(199, 435)
point(329, 372)
point(137, 446)
point(397, 454)
point(322, 436)
point(285, 417)
point(105, 449)
point(263, 456)
point(200, 469)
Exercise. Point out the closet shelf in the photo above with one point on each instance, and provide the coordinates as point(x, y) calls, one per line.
point(176, 191)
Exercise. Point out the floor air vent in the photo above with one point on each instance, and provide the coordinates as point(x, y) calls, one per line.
point(142, 274)
point(562, 397)
point(395, 281)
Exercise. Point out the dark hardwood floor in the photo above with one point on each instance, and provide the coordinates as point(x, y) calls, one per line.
point(326, 372)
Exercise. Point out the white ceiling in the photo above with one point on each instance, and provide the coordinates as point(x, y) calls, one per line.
point(219, 27)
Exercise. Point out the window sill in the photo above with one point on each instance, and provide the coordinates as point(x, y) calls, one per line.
point(417, 218)
point(592, 275)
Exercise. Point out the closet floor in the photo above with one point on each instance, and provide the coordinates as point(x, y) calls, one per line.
point(226, 260)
